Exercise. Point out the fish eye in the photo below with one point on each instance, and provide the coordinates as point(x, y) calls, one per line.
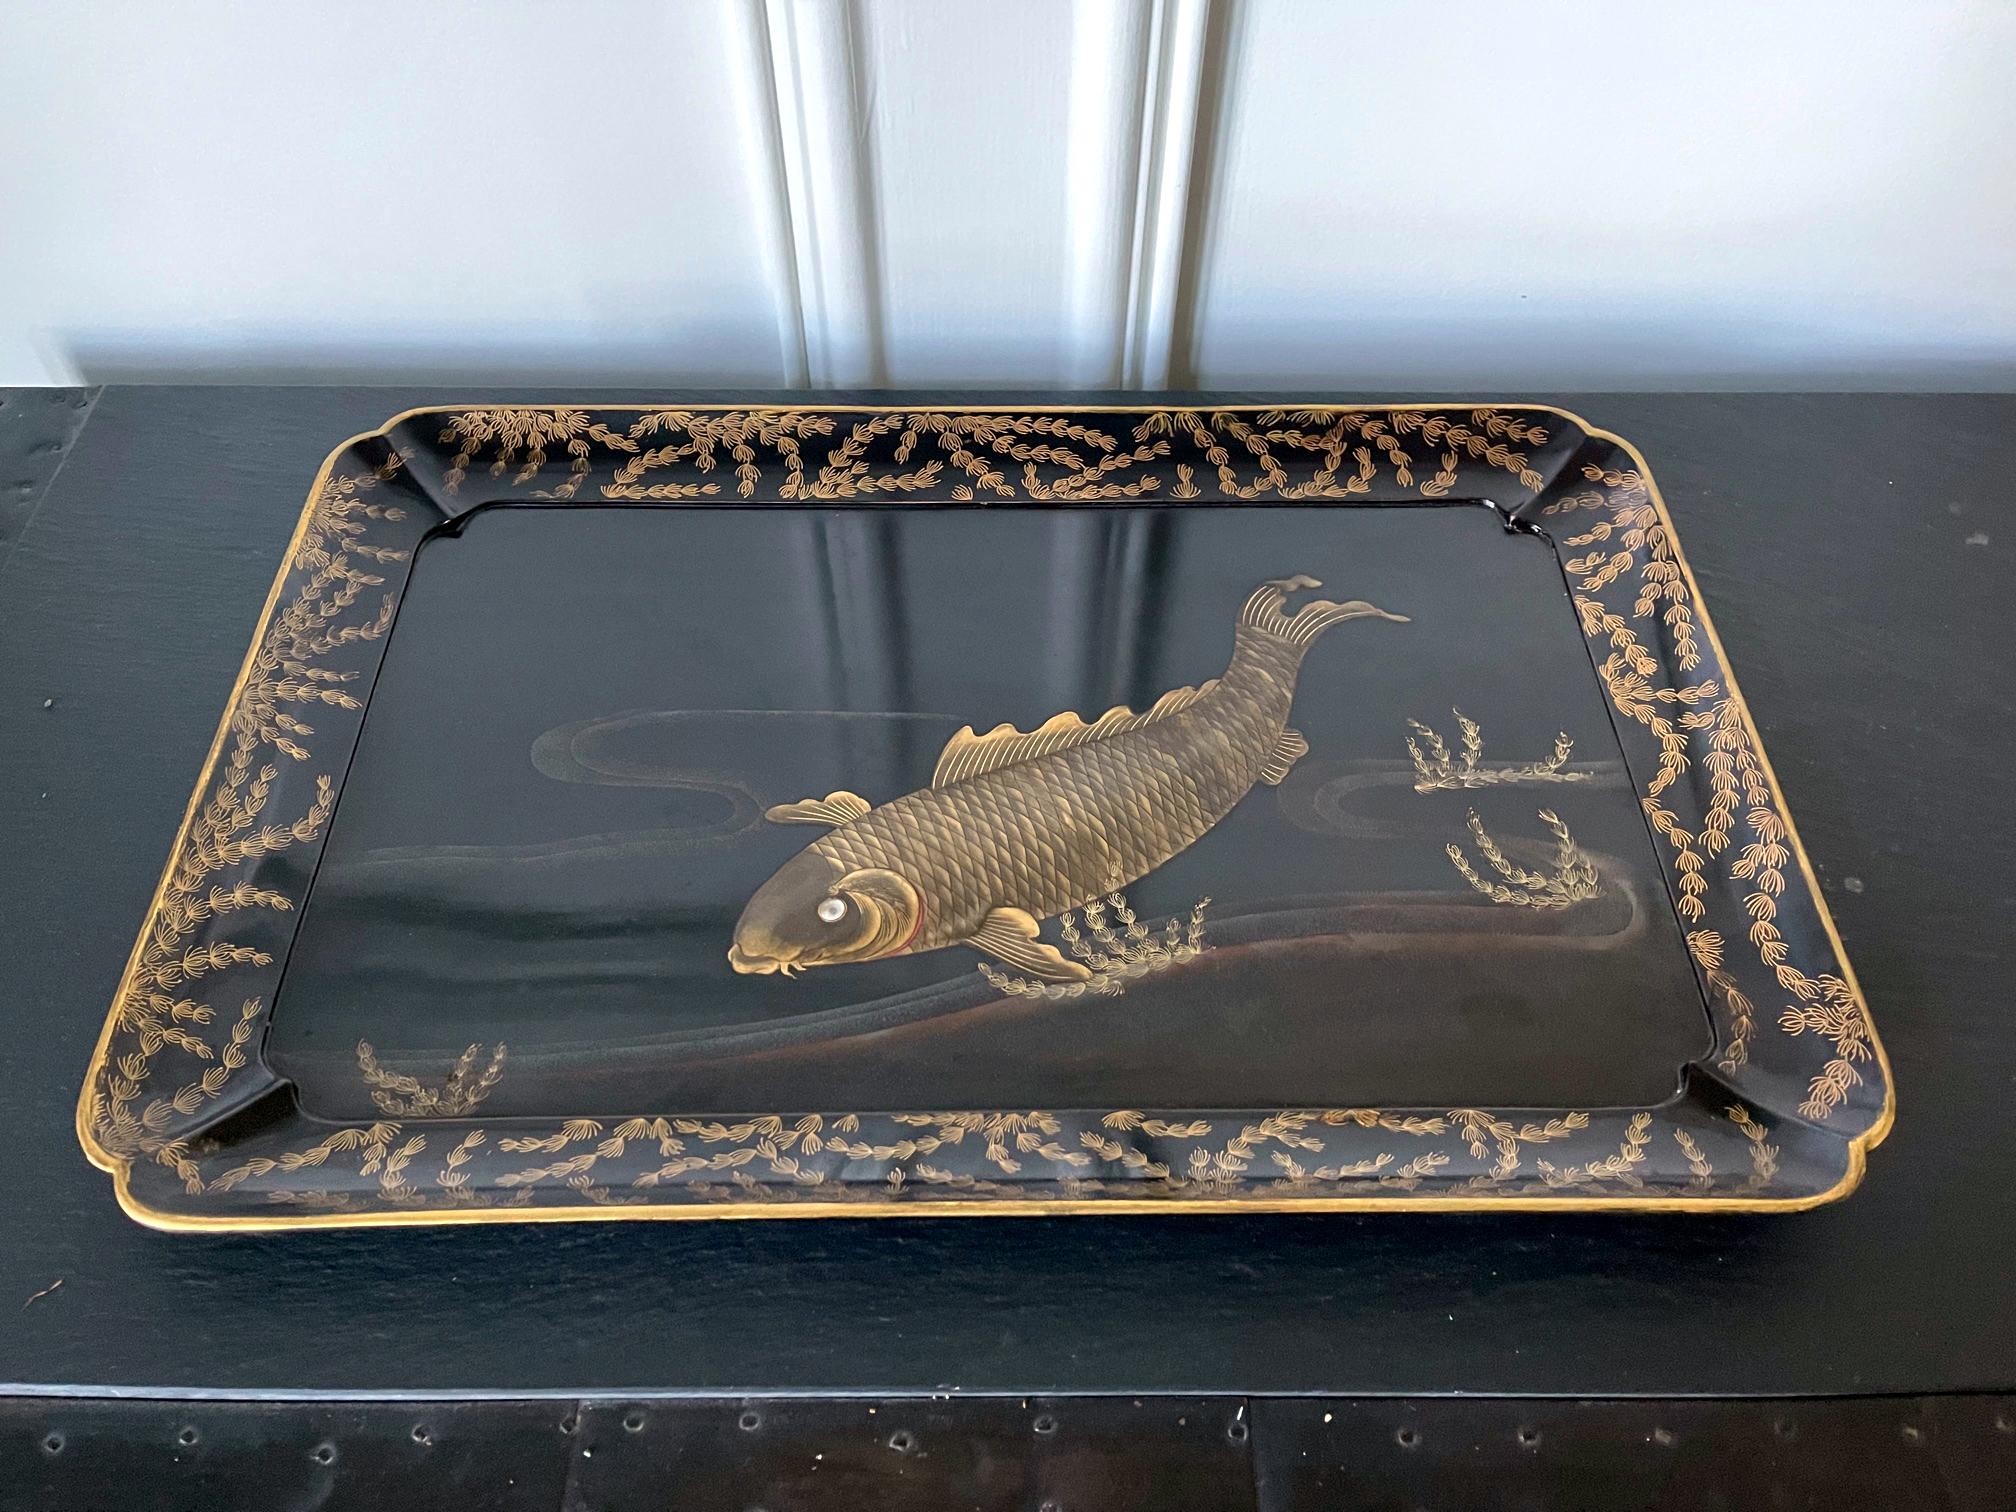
point(832, 911)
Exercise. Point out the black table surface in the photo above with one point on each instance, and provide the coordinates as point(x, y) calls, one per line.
point(1853, 550)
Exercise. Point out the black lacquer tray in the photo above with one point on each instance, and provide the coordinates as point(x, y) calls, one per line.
point(659, 812)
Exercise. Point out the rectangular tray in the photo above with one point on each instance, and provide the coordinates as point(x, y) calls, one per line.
point(1517, 919)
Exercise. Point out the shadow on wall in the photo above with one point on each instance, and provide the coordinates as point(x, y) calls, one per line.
point(1598, 351)
point(665, 354)
point(1509, 357)
point(696, 354)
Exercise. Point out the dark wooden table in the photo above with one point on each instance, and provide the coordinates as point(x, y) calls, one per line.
point(1856, 553)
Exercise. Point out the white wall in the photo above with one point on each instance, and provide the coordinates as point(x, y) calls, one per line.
point(1357, 193)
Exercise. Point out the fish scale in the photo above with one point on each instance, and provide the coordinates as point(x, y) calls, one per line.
point(1054, 832)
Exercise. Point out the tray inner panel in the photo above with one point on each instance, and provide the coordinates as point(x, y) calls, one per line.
point(555, 815)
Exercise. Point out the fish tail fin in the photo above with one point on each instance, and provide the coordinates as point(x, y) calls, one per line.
point(1264, 611)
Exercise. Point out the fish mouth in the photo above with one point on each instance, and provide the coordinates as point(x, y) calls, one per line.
point(749, 965)
point(752, 964)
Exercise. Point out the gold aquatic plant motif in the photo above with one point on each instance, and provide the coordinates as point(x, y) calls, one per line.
point(1115, 951)
point(1634, 538)
point(1572, 878)
point(378, 1151)
point(1705, 945)
point(285, 679)
point(1621, 1166)
point(405, 1096)
point(1700, 1168)
point(1438, 769)
point(519, 439)
point(1018, 827)
point(1837, 1018)
point(989, 454)
point(1763, 1154)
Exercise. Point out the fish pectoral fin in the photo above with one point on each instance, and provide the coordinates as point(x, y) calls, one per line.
point(1288, 750)
point(835, 809)
point(1009, 935)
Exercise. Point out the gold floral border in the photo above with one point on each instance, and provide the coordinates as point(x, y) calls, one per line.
point(1754, 1128)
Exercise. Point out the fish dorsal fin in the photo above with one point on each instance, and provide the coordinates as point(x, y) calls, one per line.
point(967, 755)
point(834, 809)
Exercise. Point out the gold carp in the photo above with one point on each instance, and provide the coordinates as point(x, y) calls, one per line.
point(1017, 827)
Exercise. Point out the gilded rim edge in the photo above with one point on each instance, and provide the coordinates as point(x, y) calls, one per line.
point(1857, 1145)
